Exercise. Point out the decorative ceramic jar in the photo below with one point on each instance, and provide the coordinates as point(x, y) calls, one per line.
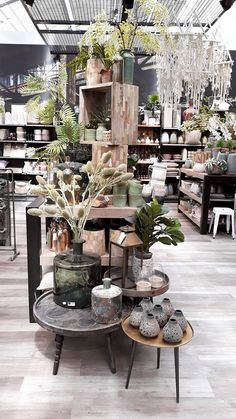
point(222, 156)
point(136, 201)
point(165, 138)
point(99, 132)
point(146, 304)
point(75, 274)
point(231, 163)
point(135, 187)
point(120, 189)
point(106, 302)
point(119, 200)
point(106, 75)
point(90, 134)
point(172, 332)
point(193, 137)
point(128, 66)
point(167, 307)
point(179, 316)
point(173, 138)
point(149, 326)
point(136, 316)
point(160, 315)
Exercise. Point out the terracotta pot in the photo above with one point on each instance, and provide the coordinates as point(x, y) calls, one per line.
point(106, 75)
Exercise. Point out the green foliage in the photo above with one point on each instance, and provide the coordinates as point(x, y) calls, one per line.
point(33, 104)
point(101, 52)
point(132, 159)
point(34, 85)
point(220, 143)
point(230, 144)
point(80, 61)
point(93, 124)
point(47, 112)
point(152, 226)
point(2, 109)
point(220, 164)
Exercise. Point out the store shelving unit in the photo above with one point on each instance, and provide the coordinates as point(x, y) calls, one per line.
point(206, 201)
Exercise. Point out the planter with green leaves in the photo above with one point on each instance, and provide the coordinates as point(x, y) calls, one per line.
point(90, 130)
point(152, 226)
point(215, 167)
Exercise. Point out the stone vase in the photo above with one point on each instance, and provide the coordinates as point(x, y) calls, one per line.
point(172, 332)
point(167, 307)
point(146, 304)
point(160, 315)
point(149, 327)
point(137, 263)
point(179, 316)
point(136, 316)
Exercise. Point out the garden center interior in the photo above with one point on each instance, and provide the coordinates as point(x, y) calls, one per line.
point(117, 209)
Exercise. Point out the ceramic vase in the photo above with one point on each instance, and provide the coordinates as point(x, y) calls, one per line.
point(179, 316)
point(165, 138)
point(231, 163)
point(90, 134)
point(136, 316)
point(173, 138)
point(106, 75)
point(149, 327)
point(193, 137)
point(160, 315)
point(167, 307)
point(172, 332)
point(99, 132)
point(146, 304)
point(128, 66)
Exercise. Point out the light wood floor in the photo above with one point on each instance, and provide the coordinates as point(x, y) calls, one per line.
point(203, 283)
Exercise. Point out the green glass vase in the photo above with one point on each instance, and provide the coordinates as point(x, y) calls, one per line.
point(75, 274)
point(128, 66)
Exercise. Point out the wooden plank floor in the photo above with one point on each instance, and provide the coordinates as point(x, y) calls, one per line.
point(203, 283)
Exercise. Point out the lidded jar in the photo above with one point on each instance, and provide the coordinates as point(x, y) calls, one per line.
point(106, 303)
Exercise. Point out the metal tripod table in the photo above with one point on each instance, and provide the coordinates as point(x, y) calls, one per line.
point(158, 343)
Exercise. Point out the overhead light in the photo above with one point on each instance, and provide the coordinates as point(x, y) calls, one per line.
point(226, 4)
point(69, 10)
point(29, 2)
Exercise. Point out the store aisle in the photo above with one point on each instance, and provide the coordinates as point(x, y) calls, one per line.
point(202, 272)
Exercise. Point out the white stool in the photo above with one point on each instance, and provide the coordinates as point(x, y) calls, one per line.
point(216, 213)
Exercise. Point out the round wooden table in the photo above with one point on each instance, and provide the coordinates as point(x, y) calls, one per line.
point(73, 322)
point(158, 343)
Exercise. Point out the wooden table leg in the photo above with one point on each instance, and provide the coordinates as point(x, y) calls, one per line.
point(111, 357)
point(176, 355)
point(158, 357)
point(131, 363)
point(59, 342)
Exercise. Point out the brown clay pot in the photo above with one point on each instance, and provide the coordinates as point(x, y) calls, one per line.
point(106, 76)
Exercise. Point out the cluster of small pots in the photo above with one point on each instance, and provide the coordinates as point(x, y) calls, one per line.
point(150, 319)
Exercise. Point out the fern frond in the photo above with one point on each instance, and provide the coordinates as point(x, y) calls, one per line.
point(34, 85)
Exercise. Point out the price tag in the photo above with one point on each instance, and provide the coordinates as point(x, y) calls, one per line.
point(121, 238)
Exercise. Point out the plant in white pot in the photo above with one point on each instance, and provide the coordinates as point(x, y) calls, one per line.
point(153, 226)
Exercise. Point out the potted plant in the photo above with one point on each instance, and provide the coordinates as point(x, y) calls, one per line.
point(76, 273)
point(132, 161)
point(153, 226)
point(152, 113)
point(90, 130)
point(215, 167)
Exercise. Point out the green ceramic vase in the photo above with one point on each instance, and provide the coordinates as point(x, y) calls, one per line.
point(128, 66)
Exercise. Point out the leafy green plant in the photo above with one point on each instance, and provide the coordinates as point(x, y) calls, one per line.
point(152, 226)
point(80, 61)
point(220, 143)
point(2, 109)
point(132, 160)
point(93, 124)
point(47, 112)
point(230, 144)
point(69, 133)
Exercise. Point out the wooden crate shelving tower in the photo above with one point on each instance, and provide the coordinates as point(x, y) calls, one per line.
point(123, 99)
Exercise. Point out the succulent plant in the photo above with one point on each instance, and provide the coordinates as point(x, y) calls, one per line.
point(215, 166)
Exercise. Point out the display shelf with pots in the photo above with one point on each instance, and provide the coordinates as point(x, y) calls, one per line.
point(207, 199)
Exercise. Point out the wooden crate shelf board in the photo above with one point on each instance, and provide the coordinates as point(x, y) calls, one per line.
point(191, 195)
point(193, 219)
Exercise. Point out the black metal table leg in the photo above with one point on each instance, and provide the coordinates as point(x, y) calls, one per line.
point(131, 363)
point(59, 342)
point(176, 355)
point(111, 357)
point(158, 357)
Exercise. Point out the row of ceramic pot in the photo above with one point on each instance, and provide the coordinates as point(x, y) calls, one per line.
point(131, 190)
point(149, 319)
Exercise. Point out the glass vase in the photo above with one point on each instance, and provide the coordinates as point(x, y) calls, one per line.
point(128, 66)
point(75, 274)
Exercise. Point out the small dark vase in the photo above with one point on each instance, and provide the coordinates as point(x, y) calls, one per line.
point(136, 316)
point(172, 332)
point(160, 315)
point(75, 274)
point(149, 326)
point(179, 316)
point(167, 307)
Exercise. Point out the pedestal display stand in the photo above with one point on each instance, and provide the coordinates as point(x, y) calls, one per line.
point(75, 323)
point(7, 213)
point(158, 343)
